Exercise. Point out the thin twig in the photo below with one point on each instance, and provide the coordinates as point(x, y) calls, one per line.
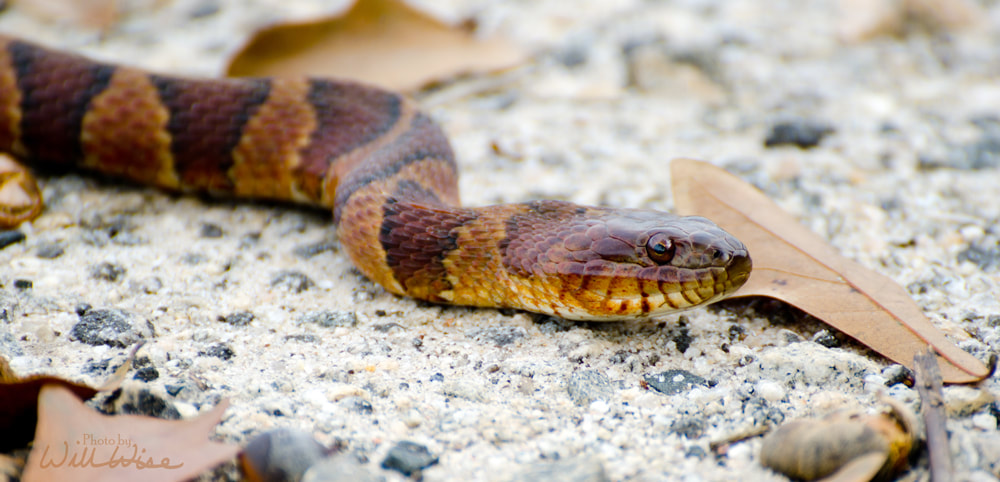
point(928, 382)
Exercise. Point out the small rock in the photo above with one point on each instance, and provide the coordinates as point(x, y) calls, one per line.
point(111, 327)
point(146, 403)
point(962, 401)
point(357, 405)
point(497, 335)
point(281, 455)
point(307, 251)
point(221, 351)
point(576, 469)
point(896, 374)
point(9, 346)
point(408, 458)
point(302, 338)
point(146, 374)
point(804, 133)
point(690, 427)
point(210, 230)
point(8, 238)
point(586, 386)
point(826, 338)
point(239, 318)
point(23, 284)
point(672, 382)
point(339, 468)
point(985, 256)
point(293, 281)
point(107, 271)
point(49, 250)
point(330, 319)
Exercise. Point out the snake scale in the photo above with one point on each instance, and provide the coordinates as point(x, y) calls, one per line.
point(385, 169)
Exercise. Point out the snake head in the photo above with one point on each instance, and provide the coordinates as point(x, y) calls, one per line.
point(612, 264)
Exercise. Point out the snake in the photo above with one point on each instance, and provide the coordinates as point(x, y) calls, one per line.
point(385, 169)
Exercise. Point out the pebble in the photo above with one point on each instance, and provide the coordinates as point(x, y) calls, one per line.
point(576, 469)
point(306, 251)
point(239, 318)
point(497, 335)
point(586, 386)
point(962, 401)
point(210, 230)
point(144, 402)
point(49, 250)
point(691, 427)
point(672, 382)
point(408, 458)
point(292, 281)
point(107, 272)
point(329, 319)
point(221, 351)
point(8, 238)
point(282, 454)
point(112, 327)
point(804, 133)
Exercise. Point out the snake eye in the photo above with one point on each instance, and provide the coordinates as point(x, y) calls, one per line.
point(660, 248)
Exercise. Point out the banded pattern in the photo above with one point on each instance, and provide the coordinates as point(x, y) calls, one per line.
point(385, 169)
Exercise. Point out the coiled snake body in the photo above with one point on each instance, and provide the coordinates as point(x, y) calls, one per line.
point(385, 169)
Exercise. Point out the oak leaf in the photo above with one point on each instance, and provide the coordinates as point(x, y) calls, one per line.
point(794, 265)
point(382, 42)
point(74, 442)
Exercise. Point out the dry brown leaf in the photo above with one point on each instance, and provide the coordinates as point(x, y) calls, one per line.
point(74, 442)
point(381, 42)
point(792, 264)
point(19, 399)
point(94, 14)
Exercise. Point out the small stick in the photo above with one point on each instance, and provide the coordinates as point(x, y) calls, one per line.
point(928, 383)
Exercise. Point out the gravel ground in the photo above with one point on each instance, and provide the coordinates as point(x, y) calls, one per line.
point(254, 302)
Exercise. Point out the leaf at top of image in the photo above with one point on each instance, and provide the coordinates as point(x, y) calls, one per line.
point(794, 265)
point(382, 42)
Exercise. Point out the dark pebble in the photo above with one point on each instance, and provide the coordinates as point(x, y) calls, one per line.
point(408, 458)
point(688, 426)
point(330, 319)
point(173, 390)
point(209, 230)
point(49, 250)
point(497, 335)
point(762, 413)
point(302, 338)
point(682, 336)
point(221, 351)
point(107, 272)
point(293, 281)
point(357, 405)
point(826, 338)
point(8, 238)
point(576, 469)
point(23, 284)
point(804, 133)
point(146, 403)
point(239, 318)
point(986, 257)
point(672, 382)
point(586, 386)
point(896, 374)
point(111, 327)
point(437, 377)
point(695, 451)
point(307, 251)
point(281, 455)
point(147, 374)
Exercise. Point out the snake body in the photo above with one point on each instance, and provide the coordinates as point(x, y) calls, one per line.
point(384, 168)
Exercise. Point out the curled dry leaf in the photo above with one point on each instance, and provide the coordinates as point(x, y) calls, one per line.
point(74, 442)
point(19, 399)
point(794, 265)
point(381, 42)
point(842, 446)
